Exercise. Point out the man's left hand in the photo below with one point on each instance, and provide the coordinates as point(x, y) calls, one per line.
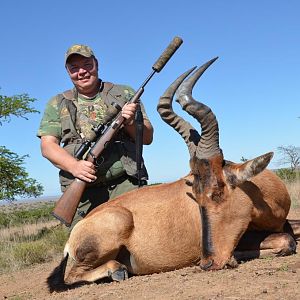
point(128, 112)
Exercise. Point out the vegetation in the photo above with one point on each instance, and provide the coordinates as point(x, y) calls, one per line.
point(26, 215)
point(294, 191)
point(38, 247)
point(18, 106)
point(291, 179)
point(288, 175)
point(29, 236)
point(14, 180)
point(290, 155)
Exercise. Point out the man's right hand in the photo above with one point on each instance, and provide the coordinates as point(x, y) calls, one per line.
point(84, 170)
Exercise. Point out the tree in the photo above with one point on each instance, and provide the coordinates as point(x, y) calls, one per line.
point(14, 180)
point(290, 155)
point(18, 106)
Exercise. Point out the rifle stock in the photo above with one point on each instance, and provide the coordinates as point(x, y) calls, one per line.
point(66, 206)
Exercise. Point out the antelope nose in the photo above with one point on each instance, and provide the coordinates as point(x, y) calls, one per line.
point(206, 265)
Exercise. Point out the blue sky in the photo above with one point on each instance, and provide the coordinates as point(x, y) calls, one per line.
point(253, 88)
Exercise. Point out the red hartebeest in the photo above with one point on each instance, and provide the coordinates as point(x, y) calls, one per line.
point(219, 210)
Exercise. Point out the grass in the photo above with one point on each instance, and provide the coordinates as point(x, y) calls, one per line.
point(17, 215)
point(26, 250)
point(294, 191)
point(18, 233)
point(29, 235)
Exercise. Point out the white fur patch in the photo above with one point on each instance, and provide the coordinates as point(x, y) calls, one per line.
point(66, 249)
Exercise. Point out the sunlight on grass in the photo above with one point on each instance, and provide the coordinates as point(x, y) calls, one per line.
point(23, 251)
point(294, 191)
point(34, 238)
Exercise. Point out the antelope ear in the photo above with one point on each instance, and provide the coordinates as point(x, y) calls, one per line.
point(238, 173)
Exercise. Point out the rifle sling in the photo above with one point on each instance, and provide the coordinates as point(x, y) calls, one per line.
point(139, 126)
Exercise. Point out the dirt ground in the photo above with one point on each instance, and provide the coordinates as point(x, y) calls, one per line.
point(271, 278)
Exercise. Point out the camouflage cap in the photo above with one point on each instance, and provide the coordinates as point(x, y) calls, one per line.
point(83, 50)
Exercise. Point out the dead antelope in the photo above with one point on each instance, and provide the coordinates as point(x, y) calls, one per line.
point(219, 208)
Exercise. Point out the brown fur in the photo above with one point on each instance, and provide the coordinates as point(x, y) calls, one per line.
point(236, 202)
point(160, 228)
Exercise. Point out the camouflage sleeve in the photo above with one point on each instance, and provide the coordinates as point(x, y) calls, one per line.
point(50, 123)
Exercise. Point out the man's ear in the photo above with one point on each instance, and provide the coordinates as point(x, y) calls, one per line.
point(236, 174)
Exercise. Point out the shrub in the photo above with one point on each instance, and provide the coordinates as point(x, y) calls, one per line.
point(33, 249)
point(28, 253)
point(17, 217)
point(286, 174)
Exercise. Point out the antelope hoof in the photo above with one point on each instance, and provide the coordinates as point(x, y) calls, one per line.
point(119, 275)
point(232, 263)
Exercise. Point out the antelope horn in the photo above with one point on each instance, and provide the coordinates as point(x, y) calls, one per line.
point(209, 142)
point(184, 128)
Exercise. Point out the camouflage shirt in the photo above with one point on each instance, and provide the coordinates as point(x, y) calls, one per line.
point(69, 117)
point(90, 112)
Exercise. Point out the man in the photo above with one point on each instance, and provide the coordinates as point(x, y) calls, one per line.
point(68, 121)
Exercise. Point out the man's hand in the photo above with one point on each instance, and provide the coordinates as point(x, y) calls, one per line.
point(81, 169)
point(84, 170)
point(128, 112)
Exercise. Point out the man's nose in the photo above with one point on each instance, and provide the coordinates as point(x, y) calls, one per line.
point(82, 71)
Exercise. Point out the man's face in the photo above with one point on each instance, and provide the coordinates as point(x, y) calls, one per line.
point(83, 72)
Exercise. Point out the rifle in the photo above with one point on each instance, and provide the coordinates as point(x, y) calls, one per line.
point(66, 206)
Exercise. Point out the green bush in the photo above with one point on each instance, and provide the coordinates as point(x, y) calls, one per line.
point(30, 215)
point(287, 174)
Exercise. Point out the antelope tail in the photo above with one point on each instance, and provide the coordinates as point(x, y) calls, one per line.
point(56, 280)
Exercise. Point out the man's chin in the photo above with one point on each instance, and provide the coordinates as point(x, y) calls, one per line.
point(84, 85)
point(85, 82)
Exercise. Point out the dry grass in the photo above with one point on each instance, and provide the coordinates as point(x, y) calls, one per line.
point(294, 191)
point(29, 235)
point(19, 251)
point(17, 233)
